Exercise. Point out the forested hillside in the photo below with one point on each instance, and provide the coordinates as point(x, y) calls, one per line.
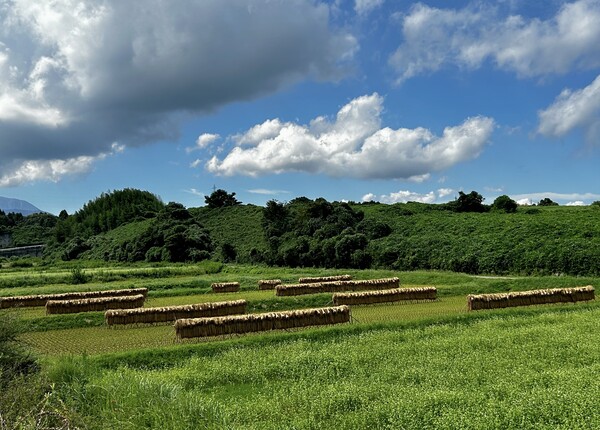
point(463, 235)
point(548, 240)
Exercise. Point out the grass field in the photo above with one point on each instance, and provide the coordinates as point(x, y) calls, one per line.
point(426, 365)
point(510, 371)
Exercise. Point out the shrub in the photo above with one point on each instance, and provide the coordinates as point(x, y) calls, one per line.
point(505, 203)
point(14, 358)
point(78, 276)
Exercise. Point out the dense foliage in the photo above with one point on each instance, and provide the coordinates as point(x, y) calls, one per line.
point(173, 235)
point(108, 211)
point(8, 220)
point(464, 235)
point(22, 230)
point(220, 199)
point(318, 233)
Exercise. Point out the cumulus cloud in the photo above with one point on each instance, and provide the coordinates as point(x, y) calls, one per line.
point(353, 145)
point(203, 141)
point(532, 198)
point(525, 202)
point(468, 37)
point(571, 110)
point(76, 76)
point(575, 203)
point(404, 196)
point(51, 170)
point(364, 7)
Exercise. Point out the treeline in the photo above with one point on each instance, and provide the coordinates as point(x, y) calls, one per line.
point(167, 232)
point(33, 229)
point(318, 233)
point(107, 212)
point(464, 235)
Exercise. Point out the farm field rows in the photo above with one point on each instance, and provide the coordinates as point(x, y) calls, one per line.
point(404, 365)
point(168, 286)
point(509, 371)
point(103, 339)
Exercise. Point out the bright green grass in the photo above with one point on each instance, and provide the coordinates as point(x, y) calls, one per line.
point(506, 371)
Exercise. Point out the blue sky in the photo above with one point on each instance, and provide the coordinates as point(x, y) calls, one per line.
point(356, 100)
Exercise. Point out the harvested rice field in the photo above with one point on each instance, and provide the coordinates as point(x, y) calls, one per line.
point(406, 364)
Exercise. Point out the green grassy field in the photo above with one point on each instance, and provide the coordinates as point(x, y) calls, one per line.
point(507, 371)
point(407, 365)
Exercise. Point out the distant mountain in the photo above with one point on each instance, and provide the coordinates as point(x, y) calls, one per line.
point(15, 205)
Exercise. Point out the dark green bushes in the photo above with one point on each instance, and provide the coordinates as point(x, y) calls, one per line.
point(306, 233)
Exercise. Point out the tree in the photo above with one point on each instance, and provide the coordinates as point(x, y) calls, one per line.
point(547, 202)
point(221, 198)
point(472, 202)
point(505, 203)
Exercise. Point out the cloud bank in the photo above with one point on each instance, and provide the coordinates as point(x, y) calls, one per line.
point(77, 76)
point(353, 145)
point(468, 37)
point(567, 198)
point(405, 196)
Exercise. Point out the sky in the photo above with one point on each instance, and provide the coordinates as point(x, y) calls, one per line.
point(350, 100)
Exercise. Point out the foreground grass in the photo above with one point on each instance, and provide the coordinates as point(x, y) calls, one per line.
point(504, 370)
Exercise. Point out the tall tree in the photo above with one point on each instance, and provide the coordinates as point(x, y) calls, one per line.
point(221, 198)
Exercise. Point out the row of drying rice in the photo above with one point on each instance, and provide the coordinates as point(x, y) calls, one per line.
point(219, 318)
point(527, 298)
point(36, 300)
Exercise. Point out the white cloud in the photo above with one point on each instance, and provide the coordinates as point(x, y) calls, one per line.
point(26, 171)
point(354, 145)
point(267, 130)
point(196, 163)
point(468, 37)
point(557, 197)
point(575, 203)
point(443, 192)
point(404, 196)
point(570, 110)
point(195, 192)
point(525, 202)
point(203, 141)
point(77, 75)
point(264, 191)
point(364, 7)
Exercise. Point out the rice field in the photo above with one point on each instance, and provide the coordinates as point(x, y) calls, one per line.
point(104, 339)
point(87, 334)
point(427, 364)
point(514, 372)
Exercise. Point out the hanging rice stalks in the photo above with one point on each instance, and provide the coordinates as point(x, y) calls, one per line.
point(385, 296)
point(218, 326)
point(97, 304)
point(337, 286)
point(173, 313)
point(526, 298)
point(225, 287)
point(324, 279)
point(268, 284)
point(41, 299)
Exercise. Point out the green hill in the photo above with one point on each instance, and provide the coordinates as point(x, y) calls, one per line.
point(546, 240)
point(239, 226)
point(403, 236)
